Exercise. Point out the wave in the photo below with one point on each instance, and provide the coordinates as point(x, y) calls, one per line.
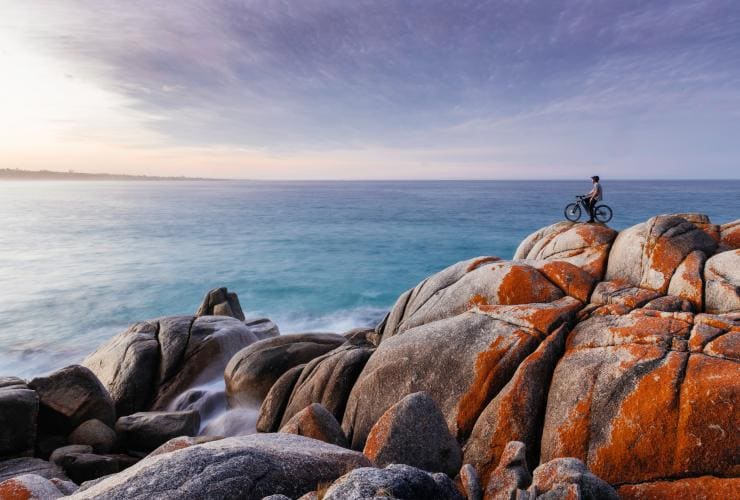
point(337, 321)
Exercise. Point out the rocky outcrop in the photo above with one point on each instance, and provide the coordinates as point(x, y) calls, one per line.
point(252, 371)
point(35, 487)
point(246, 467)
point(273, 406)
point(692, 487)
point(398, 481)
point(569, 478)
point(316, 422)
point(151, 363)
point(145, 431)
point(511, 475)
point(220, 302)
point(181, 442)
point(730, 235)
point(722, 275)
point(414, 432)
point(19, 408)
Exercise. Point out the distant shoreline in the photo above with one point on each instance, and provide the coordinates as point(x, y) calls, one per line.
point(47, 175)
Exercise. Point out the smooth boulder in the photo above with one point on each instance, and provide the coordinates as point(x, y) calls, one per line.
point(722, 275)
point(414, 432)
point(245, 467)
point(145, 431)
point(96, 434)
point(19, 408)
point(316, 422)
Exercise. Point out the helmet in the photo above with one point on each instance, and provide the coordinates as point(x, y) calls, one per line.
point(595, 178)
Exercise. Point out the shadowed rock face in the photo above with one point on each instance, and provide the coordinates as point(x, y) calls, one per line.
point(19, 409)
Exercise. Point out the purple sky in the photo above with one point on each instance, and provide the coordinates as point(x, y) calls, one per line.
point(373, 89)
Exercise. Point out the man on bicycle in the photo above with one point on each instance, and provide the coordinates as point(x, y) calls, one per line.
point(592, 197)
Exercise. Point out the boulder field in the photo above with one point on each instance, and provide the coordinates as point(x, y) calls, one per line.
point(594, 364)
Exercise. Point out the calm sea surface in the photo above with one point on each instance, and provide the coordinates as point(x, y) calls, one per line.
point(81, 260)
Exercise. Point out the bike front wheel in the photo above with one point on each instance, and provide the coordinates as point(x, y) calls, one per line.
point(573, 212)
point(603, 213)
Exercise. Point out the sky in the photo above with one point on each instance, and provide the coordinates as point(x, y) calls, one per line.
point(338, 89)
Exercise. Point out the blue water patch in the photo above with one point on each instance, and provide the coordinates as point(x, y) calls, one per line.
point(81, 260)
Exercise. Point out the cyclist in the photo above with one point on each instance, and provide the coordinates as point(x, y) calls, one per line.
point(593, 196)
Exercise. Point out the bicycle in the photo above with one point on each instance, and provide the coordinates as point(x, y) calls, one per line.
point(602, 213)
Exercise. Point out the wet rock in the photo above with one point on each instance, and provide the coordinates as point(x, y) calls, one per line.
point(722, 274)
point(510, 475)
point(181, 442)
point(479, 350)
point(328, 380)
point(220, 302)
point(145, 431)
point(96, 434)
point(518, 411)
point(397, 481)
point(645, 396)
point(26, 465)
point(583, 245)
point(570, 475)
point(71, 396)
point(19, 408)
point(245, 467)
point(206, 402)
point(29, 486)
point(273, 406)
point(470, 483)
point(316, 422)
point(693, 487)
point(251, 372)
point(414, 432)
point(648, 254)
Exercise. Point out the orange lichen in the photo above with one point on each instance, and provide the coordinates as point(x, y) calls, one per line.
point(704, 487)
point(524, 285)
point(573, 280)
point(479, 262)
point(477, 300)
point(541, 317)
point(378, 436)
point(12, 489)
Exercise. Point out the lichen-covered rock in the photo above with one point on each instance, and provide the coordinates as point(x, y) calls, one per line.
point(470, 483)
point(316, 422)
point(220, 302)
point(19, 408)
point(245, 467)
point(705, 487)
point(29, 487)
point(687, 282)
point(510, 475)
point(730, 235)
point(569, 475)
point(71, 396)
point(145, 431)
point(646, 396)
point(414, 432)
point(478, 350)
point(648, 254)
point(273, 406)
point(518, 411)
point(252, 371)
point(94, 433)
point(181, 442)
point(151, 363)
point(328, 380)
point(622, 294)
point(722, 275)
point(26, 465)
point(397, 481)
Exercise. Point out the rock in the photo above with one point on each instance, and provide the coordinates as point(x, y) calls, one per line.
point(57, 457)
point(220, 302)
point(722, 274)
point(479, 350)
point(583, 245)
point(96, 434)
point(414, 432)
point(396, 481)
point(687, 283)
point(670, 303)
point(145, 431)
point(18, 466)
point(251, 372)
point(29, 487)
point(730, 235)
point(570, 474)
point(645, 396)
point(181, 442)
point(71, 396)
point(273, 406)
point(245, 467)
point(511, 474)
point(46, 444)
point(648, 254)
point(263, 328)
point(82, 467)
point(153, 362)
point(316, 422)
point(621, 293)
point(328, 380)
point(694, 487)
point(207, 403)
point(518, 411)
point(470, 483)
point(277, 497)
point(19, 408)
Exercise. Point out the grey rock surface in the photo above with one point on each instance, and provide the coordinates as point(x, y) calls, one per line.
point(19, 408)
point(220, 302)
point(316, 422)
point(32, 487)
point(562, 474)
point(273, 406)
point(95, 433)
point(26, 465)
point(145, 431)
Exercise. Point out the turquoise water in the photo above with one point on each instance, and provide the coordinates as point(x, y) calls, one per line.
point(81, 260)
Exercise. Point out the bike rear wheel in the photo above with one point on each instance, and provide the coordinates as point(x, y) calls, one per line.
point(573, 212)
point(602, 213)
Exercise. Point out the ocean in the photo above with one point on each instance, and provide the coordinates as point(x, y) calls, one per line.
point(81, 260)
